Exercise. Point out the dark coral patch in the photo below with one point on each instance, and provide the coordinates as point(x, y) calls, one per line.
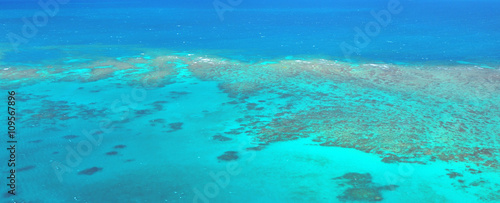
point(454, 174)
point(143, 112)
point(477, 183)
point(228, 156)
point(356, 179)
point(361, 194)
point(70, 136)
point(26, 168)
point(244, 97)
point(361, 188)
point(233, 132)
point(158, 105)
point(112, 153)
point(258, 148)
point(175, 126)
point(160, 102)
point(474, 171)
point(121, 146)
point(90, 171)
point(178, 93)
point(251, 106)
point(233, 102)
point(153, 122)
point(221, 138)
point(391, 158)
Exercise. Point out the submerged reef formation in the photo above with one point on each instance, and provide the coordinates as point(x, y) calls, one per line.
point(228, 156)
point(413, 114)
point(175, 126)
point(221, 138)
point(360, 187)
point(403, 114)
point(90, 171)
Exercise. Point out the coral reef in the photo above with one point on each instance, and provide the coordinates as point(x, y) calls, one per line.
point(361, 188)
point(221, 138)
point(175, 126)
point(228, 156)
point(26, 168)
point(70, 136)
point(90, 171)
point(121, 146)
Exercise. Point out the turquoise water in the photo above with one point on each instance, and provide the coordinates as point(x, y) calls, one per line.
point(168, 102)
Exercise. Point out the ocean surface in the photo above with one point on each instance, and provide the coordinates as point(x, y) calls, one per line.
point(251, 101)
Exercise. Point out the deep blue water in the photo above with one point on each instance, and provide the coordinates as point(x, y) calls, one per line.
point(425, 31)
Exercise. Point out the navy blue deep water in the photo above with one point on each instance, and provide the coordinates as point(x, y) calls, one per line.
point(250, 101)
point(424, 31)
